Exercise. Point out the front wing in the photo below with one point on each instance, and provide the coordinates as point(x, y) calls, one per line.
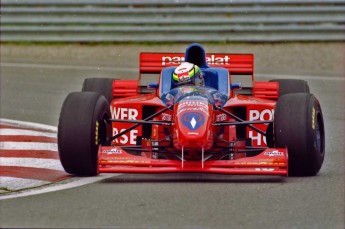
point(272, 161)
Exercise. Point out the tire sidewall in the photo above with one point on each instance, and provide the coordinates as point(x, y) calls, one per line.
point(316, 120)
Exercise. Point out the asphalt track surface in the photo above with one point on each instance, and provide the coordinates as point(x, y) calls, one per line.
point(34, 87)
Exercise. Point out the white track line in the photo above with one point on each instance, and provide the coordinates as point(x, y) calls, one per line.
point(64, 67)
point(19, 132)
point(58, 186)
point(27, 124)
point(304, 77)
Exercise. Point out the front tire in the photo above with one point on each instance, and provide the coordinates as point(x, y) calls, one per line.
point(298, 125)
point(82, 128)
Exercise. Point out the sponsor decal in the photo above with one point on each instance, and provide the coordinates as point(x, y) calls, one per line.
point(192, 109)
point(264, 169)
point(261, 163)
point(274, 153)
point(193, 133)
point(112, 151)
point(96, 133)
point(257, 138)
point(166, 117)
point(255, 115)
point(193, 106)
point(193, 103)
point(221, 117)
point(193, 120)
point(217, 60)
point(124, 139)
point(172, 60)
point(124, 113)
point(124, 160)
point(210, 59)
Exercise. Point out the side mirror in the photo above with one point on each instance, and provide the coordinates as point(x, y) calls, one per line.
point(235, 86)
point(152, 85)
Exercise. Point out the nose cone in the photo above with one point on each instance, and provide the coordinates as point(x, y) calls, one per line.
point(193, 127)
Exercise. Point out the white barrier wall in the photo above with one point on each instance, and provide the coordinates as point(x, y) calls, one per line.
point(172, 21)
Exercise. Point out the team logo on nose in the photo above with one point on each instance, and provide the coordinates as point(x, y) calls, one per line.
point(193, 120)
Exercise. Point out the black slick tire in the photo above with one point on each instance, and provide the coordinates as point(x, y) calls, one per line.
point(298, 125)
point(82, 128)
point(103, 86)
point(290, 86)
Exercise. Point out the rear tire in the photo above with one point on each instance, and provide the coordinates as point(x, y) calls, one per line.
point(298, 125)
point(103, 86)
point(290, 86)
point(82, 128)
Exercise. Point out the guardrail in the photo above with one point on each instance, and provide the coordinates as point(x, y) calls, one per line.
point(172, 21)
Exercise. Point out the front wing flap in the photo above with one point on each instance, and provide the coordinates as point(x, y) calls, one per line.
point(272, 161)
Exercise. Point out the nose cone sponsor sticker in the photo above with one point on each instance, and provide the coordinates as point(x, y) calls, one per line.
point(193, 120)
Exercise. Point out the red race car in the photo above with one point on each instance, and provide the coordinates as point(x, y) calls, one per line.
point(118, 126)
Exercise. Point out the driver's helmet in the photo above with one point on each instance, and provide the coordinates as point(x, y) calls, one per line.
point(188, 74)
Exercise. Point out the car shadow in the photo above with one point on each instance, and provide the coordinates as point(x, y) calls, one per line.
point(192, 178)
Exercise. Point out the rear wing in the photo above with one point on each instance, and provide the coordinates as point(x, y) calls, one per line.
point(237, 64)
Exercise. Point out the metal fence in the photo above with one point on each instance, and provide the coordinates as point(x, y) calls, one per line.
point(171, 21)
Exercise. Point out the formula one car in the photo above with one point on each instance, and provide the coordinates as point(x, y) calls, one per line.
point(119, 126)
